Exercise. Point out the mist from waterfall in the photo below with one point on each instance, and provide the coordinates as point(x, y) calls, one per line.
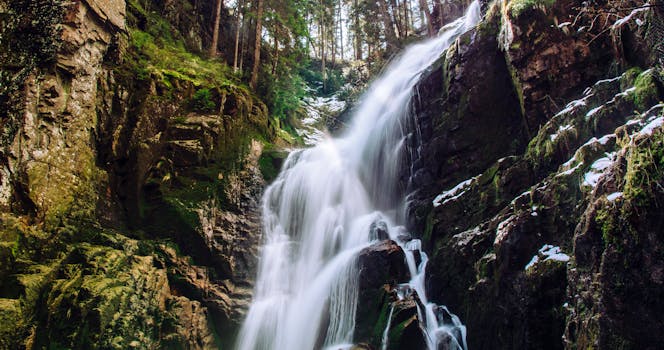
point(318, 212)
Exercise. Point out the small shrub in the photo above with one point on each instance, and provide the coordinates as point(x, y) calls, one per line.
point(202, 101)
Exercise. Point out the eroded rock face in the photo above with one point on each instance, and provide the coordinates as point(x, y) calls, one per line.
point(53, 145)
point(615, 289)
point(548, 64)
point(529, 246)
point(101, 154)
point(467, 114)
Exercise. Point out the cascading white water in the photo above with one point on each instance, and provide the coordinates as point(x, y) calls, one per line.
point(317, 217)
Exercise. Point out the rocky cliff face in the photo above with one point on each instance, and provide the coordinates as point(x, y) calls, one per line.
point(538, 181)
point(130, 180)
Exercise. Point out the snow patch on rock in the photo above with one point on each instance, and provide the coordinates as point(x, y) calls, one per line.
point(548, 252)
point(597, 169)
point(453, 193)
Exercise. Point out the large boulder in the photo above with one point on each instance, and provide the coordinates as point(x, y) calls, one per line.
point(381, 267)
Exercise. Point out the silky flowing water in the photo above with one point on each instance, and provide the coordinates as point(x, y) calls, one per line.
point(318, 213)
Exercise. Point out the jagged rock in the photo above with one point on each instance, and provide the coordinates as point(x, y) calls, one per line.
point(501, 236)
point(535, 44)
point(378, 231)
point(113, 11)
point(616, 286)
point(59, 114)
point(405, 331)
point(460, 135)
point(381, 267)
point(185, 153)
point(382, 263)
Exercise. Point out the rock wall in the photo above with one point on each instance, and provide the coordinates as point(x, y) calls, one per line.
point(537, 179)
point(129, 194)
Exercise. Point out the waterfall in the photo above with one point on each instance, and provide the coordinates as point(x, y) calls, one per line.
point(318, 212)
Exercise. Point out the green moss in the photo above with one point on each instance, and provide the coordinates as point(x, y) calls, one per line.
point(396, 332)
point(518, 7)
point(518, 88)
point(101, 297)
point(606, 218)
point(642, 187)
point(270, 162)
point(202, 101)
point(168, 61)
point(539, 149)
point(10, 320)
point(627, 79)
point(381, 323)
point(484, 266)
point(646, 92)
point(268, 169)
point(491, 25)
point(28, 242)
point(645, 171)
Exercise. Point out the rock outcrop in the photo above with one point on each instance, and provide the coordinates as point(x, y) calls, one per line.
point(382, 268)
point(129, 186)
point(538, 235)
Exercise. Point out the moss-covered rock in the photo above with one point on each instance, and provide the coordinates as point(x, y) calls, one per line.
point(617, 288)
point(124, 127)
point(381, 267)
point(486, 228)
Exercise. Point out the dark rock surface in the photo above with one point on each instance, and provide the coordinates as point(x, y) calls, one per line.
point(522, 197)
point(381, 267)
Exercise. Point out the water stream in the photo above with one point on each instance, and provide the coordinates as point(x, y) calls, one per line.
point(317, 217)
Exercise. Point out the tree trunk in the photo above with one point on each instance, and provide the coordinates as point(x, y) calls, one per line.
point(275, 55)
point(243, 43)
point(358, 32)
point(215, 30)
point(411, 15)
point(405, 18)
point(341, 32)
point(322, 56)
point(333, 42)
point(425, 8)
point(237, 35)
point(311, 48)
point(321, 39)
point(257, 45)
point(395, 14)
point(390, 35)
